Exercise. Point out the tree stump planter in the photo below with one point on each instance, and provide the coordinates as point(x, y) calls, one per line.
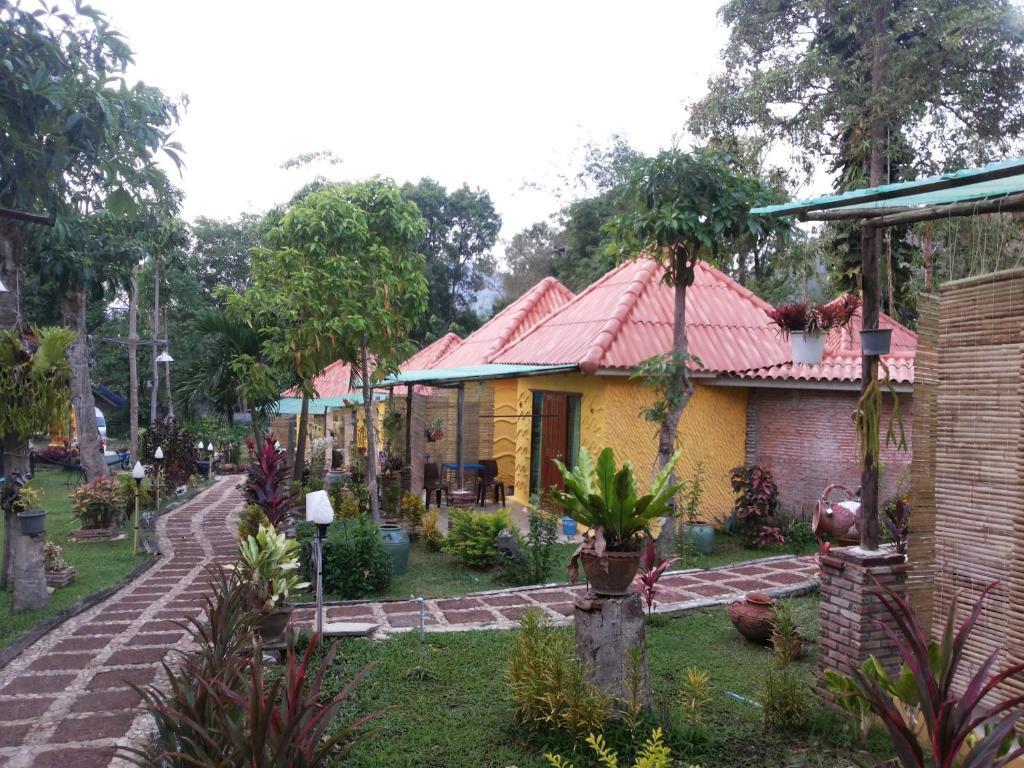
point(30, 591)
point(608, 629)
point(61, 578)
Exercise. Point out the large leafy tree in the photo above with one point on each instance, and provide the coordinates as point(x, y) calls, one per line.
point(530, 256)
point(77, 139)
point(682, 207)
point(462, 229)
point(930, 86)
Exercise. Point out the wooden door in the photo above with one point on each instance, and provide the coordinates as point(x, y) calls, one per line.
point(555, 442)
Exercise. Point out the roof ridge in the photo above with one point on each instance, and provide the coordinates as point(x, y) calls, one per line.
point(631, 294)
point(532, 298)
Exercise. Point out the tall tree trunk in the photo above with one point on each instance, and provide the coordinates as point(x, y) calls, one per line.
point(15, 455)
point(133, 364)
point(371, 435)
point(154, 396)
point(91, 457)
point(167, 371)
point(300, 441)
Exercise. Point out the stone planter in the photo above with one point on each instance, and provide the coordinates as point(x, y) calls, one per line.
point(61, 578)
point(700, 536)
point(396, 542)
point(32, 522)
point(83, 535)
point(611, 574)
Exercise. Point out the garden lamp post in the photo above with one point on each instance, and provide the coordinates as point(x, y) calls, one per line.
point(319, 511)
point(158, 456)
point(209, 465)
point(138, 472)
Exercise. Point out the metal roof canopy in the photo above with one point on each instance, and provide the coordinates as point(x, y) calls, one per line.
point(449, 377)
point(991, 188)
point(292, 406)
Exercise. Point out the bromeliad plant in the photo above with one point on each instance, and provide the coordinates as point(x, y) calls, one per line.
point(606, 501)
point(269, 485)
point(952, 723)
point(652, 566)
point(269, 564)
point(815, 319)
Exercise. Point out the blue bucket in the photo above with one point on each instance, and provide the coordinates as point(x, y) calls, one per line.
point(568, 526)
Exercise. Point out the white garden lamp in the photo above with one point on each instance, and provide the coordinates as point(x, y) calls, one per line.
point(319, 511)
point(164, 357)
point(3, 288)
point(158, 456)
point(209, 464)
point(138, 472)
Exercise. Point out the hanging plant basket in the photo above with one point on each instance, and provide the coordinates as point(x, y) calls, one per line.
point(32, 522)
point(876, 342)
point(807, 346)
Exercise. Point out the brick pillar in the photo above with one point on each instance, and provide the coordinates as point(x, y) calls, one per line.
point(850, 613)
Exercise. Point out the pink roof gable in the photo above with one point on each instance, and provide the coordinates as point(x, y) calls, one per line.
point(333, 382)
point(481, 346)
point(428, 356)
point(625, 317)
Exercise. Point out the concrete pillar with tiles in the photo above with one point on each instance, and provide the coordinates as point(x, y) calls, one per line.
point(850, 611)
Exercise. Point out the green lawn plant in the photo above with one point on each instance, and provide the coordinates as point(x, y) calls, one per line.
point(97, 504)
point(355, 562)
point(269, 564)
point(473, 537)
point(606, 500)
point(653, 753)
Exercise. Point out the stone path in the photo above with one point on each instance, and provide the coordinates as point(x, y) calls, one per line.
point(501, 609)
point(66, 700)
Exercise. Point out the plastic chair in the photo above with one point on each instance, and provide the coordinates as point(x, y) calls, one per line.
point(432, 483)
point(488, 477)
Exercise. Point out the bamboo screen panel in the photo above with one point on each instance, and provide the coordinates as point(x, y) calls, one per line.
point(979, 525)
point(920, 584)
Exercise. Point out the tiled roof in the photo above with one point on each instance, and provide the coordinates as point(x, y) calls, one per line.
point(333, 382)
point(430, 354)
point(626, 316)
point(481, 346)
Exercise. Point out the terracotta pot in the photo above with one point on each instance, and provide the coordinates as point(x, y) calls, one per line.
point(271, 627)
point(839, 521)
point(797, 649)
point(611, 574)
point(754, 616)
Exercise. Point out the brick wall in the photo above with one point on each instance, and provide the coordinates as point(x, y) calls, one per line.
point(807, 439)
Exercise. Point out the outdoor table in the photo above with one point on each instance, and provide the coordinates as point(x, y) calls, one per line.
point(467, 466)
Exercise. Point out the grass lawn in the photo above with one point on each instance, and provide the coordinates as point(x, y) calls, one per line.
point(435, 574)
point(97, 564)
point(446, 703)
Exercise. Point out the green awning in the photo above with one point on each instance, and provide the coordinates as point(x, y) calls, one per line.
point(292, 406)
point(1005, 177)
point(441, 377)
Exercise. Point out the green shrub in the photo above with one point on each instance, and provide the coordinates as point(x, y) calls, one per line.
point(537, 550)
point(783, 698)
point(413, 510)
point(97, 504)
point(432, 536)
point(355, 561)
point(126, 495)
point(547, 683)
point(251, 520)
point(473, 537)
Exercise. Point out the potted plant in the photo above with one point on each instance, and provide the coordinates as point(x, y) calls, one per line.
point(807, 326)
point(876, 341)
point(606, 501)
point(31, 518)
point(698, 534)
point(97, 506)
point(269, 565)
point(58, 572)
point(434, 430)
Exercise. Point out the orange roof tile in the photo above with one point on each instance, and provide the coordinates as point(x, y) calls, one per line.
point(481, 346)
point(430, 354)
point(333, 382)
point(626, 317)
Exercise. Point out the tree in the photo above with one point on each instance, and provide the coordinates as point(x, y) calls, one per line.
point(77, 138)
point(461, 229)
point(530, 256)
point(805, 75)
point(681, 208)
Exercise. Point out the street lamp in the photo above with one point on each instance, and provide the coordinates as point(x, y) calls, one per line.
point(209, 465)
point(164, 357)
point(319, 511)
point(158, 456)
point(3, 288)
point(138, 472)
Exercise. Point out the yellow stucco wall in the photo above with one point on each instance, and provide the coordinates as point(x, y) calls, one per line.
point(506, 400)
point(712, 430)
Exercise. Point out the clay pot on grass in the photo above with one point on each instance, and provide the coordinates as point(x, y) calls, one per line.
point(754, 616)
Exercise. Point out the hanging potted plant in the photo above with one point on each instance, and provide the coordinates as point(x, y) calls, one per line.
point(807, 326)
point(31, 519)
point(434, 430)
point(269, 565)
point(876, 341)
point(606, 501)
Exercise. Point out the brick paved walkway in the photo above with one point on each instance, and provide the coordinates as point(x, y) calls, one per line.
point(65, 701)
point(501, 609)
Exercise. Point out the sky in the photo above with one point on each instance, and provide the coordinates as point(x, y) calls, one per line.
point(501, 96)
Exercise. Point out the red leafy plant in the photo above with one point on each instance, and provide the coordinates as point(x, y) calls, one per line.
point(817, 318)
point(652, 567)
point(269, 486)
point(770, 534)
point(952, 723)
point(757, 495)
